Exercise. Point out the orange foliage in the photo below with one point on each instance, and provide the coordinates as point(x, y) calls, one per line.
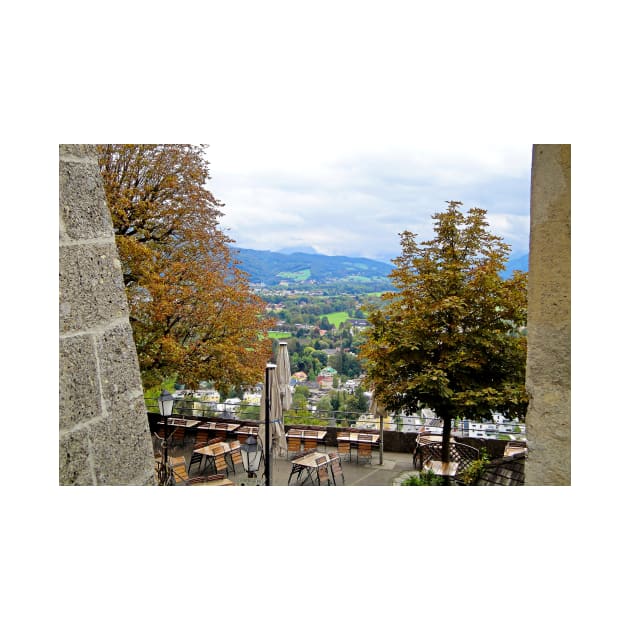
point(192, 313)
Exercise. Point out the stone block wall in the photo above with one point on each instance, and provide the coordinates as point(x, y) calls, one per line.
point(103, 430)
point(548, 376)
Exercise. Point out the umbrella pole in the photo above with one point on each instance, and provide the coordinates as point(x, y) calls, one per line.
point(267, 413)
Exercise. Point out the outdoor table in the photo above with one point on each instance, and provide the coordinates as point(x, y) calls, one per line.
point(208, 451)
point(247, 431)
point(212, 426)
point(300, 433)
point(307, 464)
point(181, 422)
point(353, 438)
point(422, 438)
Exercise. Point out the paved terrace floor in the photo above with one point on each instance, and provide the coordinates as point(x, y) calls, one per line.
point(395, 467)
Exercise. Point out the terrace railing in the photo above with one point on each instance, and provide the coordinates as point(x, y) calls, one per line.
point(247, 412)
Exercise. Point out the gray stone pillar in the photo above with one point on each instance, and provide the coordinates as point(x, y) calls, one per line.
point(103, 430)
point(549, 318)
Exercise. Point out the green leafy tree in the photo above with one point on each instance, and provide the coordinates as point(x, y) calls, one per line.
point(301, 390)
point(450, 338)
point(325, 324)
point(324, 405)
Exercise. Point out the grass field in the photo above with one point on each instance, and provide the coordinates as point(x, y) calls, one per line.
point(296, 276)
point(337, 318)
point(272, 334)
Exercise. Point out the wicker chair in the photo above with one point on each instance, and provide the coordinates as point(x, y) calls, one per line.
point(419, 453)
point(459, 452)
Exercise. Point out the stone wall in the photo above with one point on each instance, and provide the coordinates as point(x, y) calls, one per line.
point(103, 431)
point(549, 318)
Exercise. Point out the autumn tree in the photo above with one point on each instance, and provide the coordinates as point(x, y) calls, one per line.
point(451, 338)
point(191, 310)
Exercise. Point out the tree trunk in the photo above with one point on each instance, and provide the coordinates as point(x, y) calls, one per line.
point(446, 438)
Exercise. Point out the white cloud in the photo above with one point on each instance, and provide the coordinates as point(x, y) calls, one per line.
point(357, 204)
point(342, 126)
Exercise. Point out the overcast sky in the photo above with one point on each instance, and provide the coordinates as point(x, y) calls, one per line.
point(338, 127)
point(349, 200)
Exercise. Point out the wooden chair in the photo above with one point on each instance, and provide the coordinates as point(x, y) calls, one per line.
point(293, 445)
point(419, 452)
point(335, 465)
point(310, 439)
point(193, 481)
point(322, 470)
point(179, 469)
point(343, 446)
point(242, 437)
point(235, 455)
point(220, 465)
point(197, 458)
point(220, 430)
point(201, 438)
point(364, 450)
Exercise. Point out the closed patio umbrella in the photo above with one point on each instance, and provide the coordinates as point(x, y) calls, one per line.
point(271, 414)
point(284, 375)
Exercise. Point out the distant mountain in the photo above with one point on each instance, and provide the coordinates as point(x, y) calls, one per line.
point(520, 263)
point(302, 268)
point(298, 249)
point(273, 268)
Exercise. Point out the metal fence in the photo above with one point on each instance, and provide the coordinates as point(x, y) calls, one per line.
point(247, 412)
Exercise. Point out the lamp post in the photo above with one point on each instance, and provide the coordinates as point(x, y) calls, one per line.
point(251, 455)
point(165, 404)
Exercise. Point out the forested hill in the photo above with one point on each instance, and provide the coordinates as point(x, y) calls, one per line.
point(272, 268)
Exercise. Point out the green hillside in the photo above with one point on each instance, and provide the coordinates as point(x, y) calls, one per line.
point(272, 268)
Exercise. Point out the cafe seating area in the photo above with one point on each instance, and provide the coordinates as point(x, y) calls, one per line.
point(210, 453)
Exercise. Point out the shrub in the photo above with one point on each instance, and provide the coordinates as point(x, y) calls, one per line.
point(424, 478)
point(476, 469)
